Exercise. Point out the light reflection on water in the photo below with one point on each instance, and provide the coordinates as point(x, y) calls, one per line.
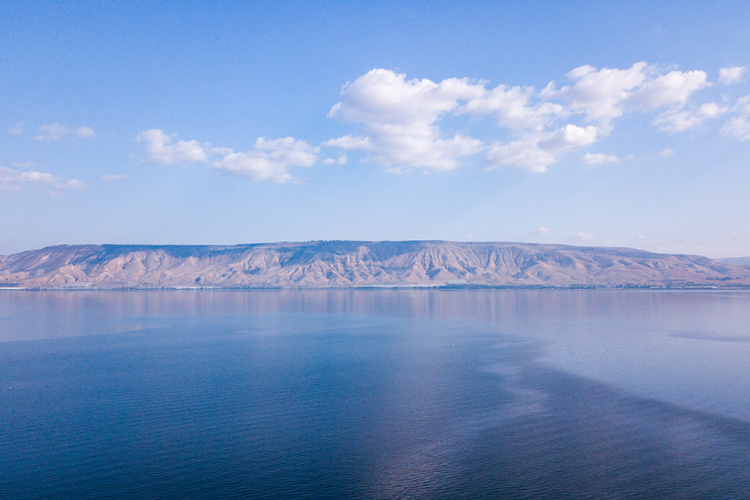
point(690, 348)
point(375, 394)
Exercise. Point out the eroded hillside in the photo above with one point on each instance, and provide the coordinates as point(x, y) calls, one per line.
point(352, 264)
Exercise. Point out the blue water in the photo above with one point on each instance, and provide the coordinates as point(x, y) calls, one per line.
point(374, 394)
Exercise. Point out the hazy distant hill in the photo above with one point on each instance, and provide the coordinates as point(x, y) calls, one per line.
point(360, 263)
point(740, 261)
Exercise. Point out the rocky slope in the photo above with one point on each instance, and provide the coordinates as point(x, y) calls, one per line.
point(353, 263)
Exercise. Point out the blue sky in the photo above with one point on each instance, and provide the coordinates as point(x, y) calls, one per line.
point(612, 123)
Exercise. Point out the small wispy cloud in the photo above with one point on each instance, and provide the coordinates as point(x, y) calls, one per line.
point(14, 180)
point(83, 132)
point(738, 127)
point(540, 230)
point(20, 128)
point(582, 237)
point(26, 164)
point(113, 177)
point(269, 160)
point(599, 159)
point(340, 160)
point(732, 74)
point(666, 153)
point(679, 119)
point(55, 132)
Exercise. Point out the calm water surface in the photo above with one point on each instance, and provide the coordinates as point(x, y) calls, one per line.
point(374, 394)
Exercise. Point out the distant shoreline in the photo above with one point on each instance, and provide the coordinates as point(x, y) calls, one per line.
point(380, 287)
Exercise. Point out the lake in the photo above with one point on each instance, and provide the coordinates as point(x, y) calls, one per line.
point(375, 394)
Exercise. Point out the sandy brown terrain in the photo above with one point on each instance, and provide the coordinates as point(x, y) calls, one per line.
point(326, 264)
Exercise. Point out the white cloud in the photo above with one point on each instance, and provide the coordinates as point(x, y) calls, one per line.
point(738, 127)
point(540, 230)
point(84, 132)
point(402, 118)
point(341, 160)
point(52, 132)
point(599, 159)
point(13, 180)
point(512, 109)
point(221, 151)
point(599, 94)
point(536, 151)
point(269, 161)
point(404, 122)
point(113, 177)
point(712, 110)
point(70, 184)
point(606, 94)
point(673, 88)
point(349, 142)
point(56, 131)
point(680, 120)
point(26, 164)
point(581, 237)
point(399, 120)
point(666, 153)
point(732, 74)
point(161, 151)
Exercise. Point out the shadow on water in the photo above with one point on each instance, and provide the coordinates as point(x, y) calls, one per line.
point(583, 439)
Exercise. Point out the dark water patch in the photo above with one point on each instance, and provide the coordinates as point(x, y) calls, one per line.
point(592, 441)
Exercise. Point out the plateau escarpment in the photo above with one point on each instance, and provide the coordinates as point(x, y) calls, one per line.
point(325, 264)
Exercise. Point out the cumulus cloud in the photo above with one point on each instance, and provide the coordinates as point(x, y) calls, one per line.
point(605, 94)
point(161, 151)
point(402, 119)
point(732, 74)
point(536, 151)
point(599, 94)
point(399, 120)
point(673, 88)
point(404, 123)
point(512, 108)
point(55, 132)
point(599, 159)
point(14, 180)
point(269, 161)
point(540, 230)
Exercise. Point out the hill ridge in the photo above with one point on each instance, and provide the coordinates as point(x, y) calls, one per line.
point(349, 263)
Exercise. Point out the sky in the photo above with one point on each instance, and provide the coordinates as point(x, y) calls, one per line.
point(583, 123)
